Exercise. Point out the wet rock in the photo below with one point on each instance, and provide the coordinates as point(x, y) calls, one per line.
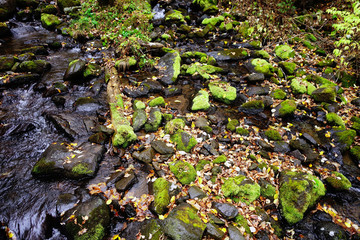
point(172, 91)
point(92, 70)
point(201, 101)
point(49, 21)
point(329, 230)
point(4, 30)
point(75, 71)
point(139, 119)
point(234, 233)
point(126, 182)
point(162, 148)
point(174, 125)
point(86, 104)
point(99, 138)
point(154, 120)
point(161, 195)
point(297, 193)
point(37, 50)
point(246, 190)
point(152, 230)
point(67, 3)
point(183, 223)
point(145, 156)
point(196, 192)
point(257, 91)
point(183, 171)
point(338, 181)
point(223, 91)
point(252, 107)
point(213, 231)
point(227, 210)
point(305, 148)
point(298, 155)
point(154, 86)
point(159, 101)
point(36, 66)
point(69, 161)
point(19, 80)
point(256, 77)
point(183, 140)
point(141, 91)
point(229, 54)
point(280, 146)
point(21, 128)
point(6, 63)
point(285, 108)
point(65, 202)
point(284, 52)
point(95, 227)
point(169, 67)
point(326, 94)
point(56, 88)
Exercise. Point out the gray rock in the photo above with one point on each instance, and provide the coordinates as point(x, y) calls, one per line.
point(169, 68)
point(152, 230)
point(326, 94)
point(139, 119)
point(298, 155)
point(145, 156)
point(201, 122)
point(234, 233)
point(256, 91)
point(196, 192)
point(214, 232)
point(356, 102)
point(280, 146)
point(141, 91)
point(19, 80)
point(75, 71)
point(227, 210)
point(210, 148)
point(162, 148)
point(229, 55)
point(329, 230)
point(154, 86)
point(126, 182)
point(256, 77)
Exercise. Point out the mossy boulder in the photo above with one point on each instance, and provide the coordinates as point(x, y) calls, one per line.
point(220, 159)
point(300, 86)
point(183, 140)
point(232, 124)
point(346, 137)
point(355, 154)
point(95, 227)
point(286, 108)
point(273, 134)
point(159, 101)
point(152, 230)
point(67, 3)
point(242, 131)
point(183, 223)
point(278, 94)
point(174, 125)
point(262, 54)
point(326, 94)
point(262, 66)
point(267, 190)
point(254, 104)
point(75, 71)
point(174, 16)
point(333, 118)
point(169, 67)
point(213, 20)
point(338, 181)
point(297, 193)
point(194, 54)
point(201, 101)
point(154, 121)
point(241, 188)
point(208, 6)
point(161, 195)
point(223, 91)
point(203, 70)
point(183, 171)
point(49, 21)
point(6, 63)
point(92, 70)
point(288, 67)
point(139, 105)
point(35, 66)
point(284, 52)
point(139, 119)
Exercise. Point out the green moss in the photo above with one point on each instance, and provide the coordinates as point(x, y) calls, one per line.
point(232, 124)
point(168, 116)
point(43, 167)
point(213, 20)
point(184, 141)
point(223, 91)
point(201, 164)
point(49, 21)
point(6, 63)
point(278, 94)
point(159, 101)
point(220, 159)
point(242, 222)
point(92, 70)
point(124, 135)
point(289, 67)
point(254, 104)
point(284, 52)
point(154, 121)
point(139, 105)
point(242, 131)
point(175, 15)
point(194, 55)
point(67, 3)
point(201, 101)
point(268, 191)
point(183, 171)
point(333, 118)
point(300, 86)
point(172, 126)
point(346, 137)
point(207, 5)
point(287, 108)
point(245, 190)
point(262, 66)
point(339, 181)
point(176, 66)
point(203, 70)
point(262, 54)
point(308, 44)
point(273, 135)
point(161, 195)
point(81, 169)
point(355, 153)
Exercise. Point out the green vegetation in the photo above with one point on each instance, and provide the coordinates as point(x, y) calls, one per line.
point(273, 135)
point(183, 171)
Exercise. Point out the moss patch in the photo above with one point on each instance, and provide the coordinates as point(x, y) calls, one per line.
point(241, 188)
point(161, 195)
point(273, 135)
point(183, 171)
point(339, 181)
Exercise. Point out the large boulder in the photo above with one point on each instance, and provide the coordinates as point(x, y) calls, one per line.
point(183, 140)
point(36, 66)
point(241, 188)
point(18, 80)
point(49, 21)
point(297, 193)
point(75, 71)
point(88, 220)
point(201, 101)
point(183, 223)
point(169, 67)
point(69, 160)
point(223, 91)
point(183, 171)
point(173, 125)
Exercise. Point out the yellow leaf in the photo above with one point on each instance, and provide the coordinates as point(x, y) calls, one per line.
point(251, 208)
point(347, 224)
point(161, 217)
point(200, 180)
point(108, 202)
point(223, 229)
point(73, 156)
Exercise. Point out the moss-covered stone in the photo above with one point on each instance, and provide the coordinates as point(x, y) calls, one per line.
point(161, 195)
point(209, 6)
point(174, 16)
point(298, 192)
point(242, 188)
point(288, 67)
point(49, 21)
point(154, 120)
point(6, 63)
point(139, 105)
point(287, 108)
point(67, 3)
point(201, 101)
point(273, 135)
point(326, 94)
point(173, 125)
point(183, 140)
point(241, 222)
point(242, 131)
point(194, 54)
point(278, 94)
point(81, 169)
point(159, 101)
point(333, 118)
point(284, 52)
point(220, 159)
point(355, 153)
point(213, 20)
point(338, 181)
point(183, 171)
point(300, 86)
point(92, 70)
point(346, 137)
point(204, 71)
point(254, 104)
point(35, 66)
point(268, 191)
point(232, 124)
point(223, 91)
point(262, 66)
point(262, 54)
point(201, 164)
